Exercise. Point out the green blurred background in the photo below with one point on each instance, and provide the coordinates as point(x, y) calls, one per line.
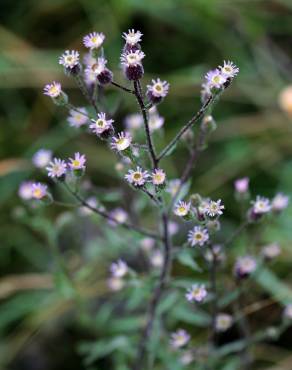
point(182, 40)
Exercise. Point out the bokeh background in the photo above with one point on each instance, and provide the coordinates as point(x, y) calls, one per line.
point(182, 40)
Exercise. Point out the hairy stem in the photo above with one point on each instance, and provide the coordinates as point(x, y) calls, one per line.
point(108, 217)
point(146, 124)
point(122, 87)
point(156, 297)
point(214, 308)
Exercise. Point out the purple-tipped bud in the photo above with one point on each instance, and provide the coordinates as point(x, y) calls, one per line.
point(244, 266)
point(132, 65)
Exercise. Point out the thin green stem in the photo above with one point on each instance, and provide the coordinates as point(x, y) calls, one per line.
point(191, 122)
point(108, 217)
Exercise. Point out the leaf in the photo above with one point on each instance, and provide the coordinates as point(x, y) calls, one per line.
point(186, 258)
point(272, 284)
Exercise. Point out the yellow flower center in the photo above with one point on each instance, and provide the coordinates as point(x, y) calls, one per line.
point(37, 193)
point(99, 123)
point(137, 176)
point(75, 163)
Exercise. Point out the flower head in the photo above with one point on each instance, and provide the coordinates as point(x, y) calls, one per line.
point(179, 338)
point(241, 185)
point(78, 162)
point(215, 79)
point(78, 117)
point(214, 208)
point(147, 244)
point(156, 258)
point(57, 168)
point(155, 121)
point(173, 186)
point(101, 125)
point(197, 293)
point(93, 40)
point(132, 37)
point(42, 158)
point(118, 215)
point(280, 202)
point(261, 205)
point(198, 236)
point(122, 141)
point(69, 59)
point(229, 69)
point(53, 90)
point(158, 177)
point(115, 284)
point(157, 90)
point(39, 190)
point(132, 58)
point(25, 190)
point(244, 266)
point(182, 208)
point(223, 322)
point(137, 177)
point(271, 251)
point(119, 269)
point(134, 121)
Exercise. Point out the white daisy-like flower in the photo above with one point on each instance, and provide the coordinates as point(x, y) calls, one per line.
point(101, 124)
point(182, 209)
point(42, 158)
point(229, 69)
point(271, 251)
point(53, 90)
point(158, 88)
point(261, 205)
point(119, 215)
point(198, 236)
point(69, 59)
point(241, 185)
point(156, 258)
point(173, 228)
point(133, 121)
point(56, 168)
point(132, 37)
point(115, 284)
point(147, 244)
point(78, 162)
point(179, 338)
point(244, 266)
point(132, 58)
point(93, 40)
point(214, 208)
point(223, 322)
point(137, 177)
point(158, 177)
point(97, 68)
point(119, 269)
point(25, 190)
point(215, 79)
point(78, 117)
point(280, 202)
point(173, 186)
point(287, 313)
point(38, 190)
point(197, 293)
point(121, 142)
point(155, 121)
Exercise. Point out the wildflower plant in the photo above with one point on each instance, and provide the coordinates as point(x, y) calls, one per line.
point(186, 227)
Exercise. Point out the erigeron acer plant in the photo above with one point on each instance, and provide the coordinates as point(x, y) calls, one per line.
point(143, 171)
